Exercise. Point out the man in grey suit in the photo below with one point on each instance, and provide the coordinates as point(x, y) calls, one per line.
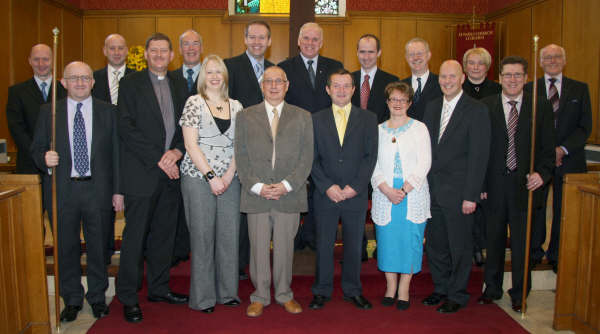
point(274, 153)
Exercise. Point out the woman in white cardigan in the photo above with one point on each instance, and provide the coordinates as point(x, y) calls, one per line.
point(400, 194)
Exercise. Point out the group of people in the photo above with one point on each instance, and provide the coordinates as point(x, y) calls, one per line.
point(219, 158)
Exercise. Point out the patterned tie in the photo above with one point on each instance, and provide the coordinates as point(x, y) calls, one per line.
point(365, 91)
point(114, 90)
point(417, 94)
point(554, 98)
point(513, 118)
point(341, 126)
point(311, 73)
point(258, 71)
point(44, 93)
point(190, 79)
point(445, 119)
point(274, 125)
point(80, 151)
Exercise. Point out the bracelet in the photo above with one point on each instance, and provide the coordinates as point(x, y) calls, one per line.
point(209, 175)
point(404, 190)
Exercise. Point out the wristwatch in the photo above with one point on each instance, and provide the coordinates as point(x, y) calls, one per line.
point(209, 175)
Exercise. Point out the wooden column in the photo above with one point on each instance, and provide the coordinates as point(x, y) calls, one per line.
point(301, 11)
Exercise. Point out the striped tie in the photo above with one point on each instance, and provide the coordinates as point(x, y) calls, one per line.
point(554, 98)
point(114, 90)
point(513, 117)
point(445, 119)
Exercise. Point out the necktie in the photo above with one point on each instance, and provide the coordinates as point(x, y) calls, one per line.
point(445, 119)
point(114, 90)
point(553, 98)
point(341, 126)
point(44, 93)
point(417, 94)
point(258, 71)
point(190, 79)
point(80, 151)
point(513, 117)
point(274, 125)
point(311, 73)
point(365, 91)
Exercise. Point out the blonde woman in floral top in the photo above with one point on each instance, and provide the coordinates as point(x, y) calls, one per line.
point(211, 189)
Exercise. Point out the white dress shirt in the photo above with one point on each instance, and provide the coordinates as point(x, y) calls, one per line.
point(506, 106)
point(370, 73)
point(557, 83)
point(415, 83)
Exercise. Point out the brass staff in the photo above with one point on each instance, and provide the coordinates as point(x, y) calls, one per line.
point(531, 171)
point(55, 32)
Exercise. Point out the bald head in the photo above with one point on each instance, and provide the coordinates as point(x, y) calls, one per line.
point(451, 78)
point(78, 79)
point(274, 85)
point(115, 50)
point(40, 59)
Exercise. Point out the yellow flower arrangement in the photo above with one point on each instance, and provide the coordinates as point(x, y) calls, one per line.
point(135, 58)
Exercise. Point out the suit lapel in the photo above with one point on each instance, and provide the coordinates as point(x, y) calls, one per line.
point(63, 136)
point(320, 74)
point(35, 91)
point(564, 92)
point(498, 113)
point(301, 68)
point(147, 90)
point(375, 87)
point(96, 128)
point(436, 123)
point(353, 121)
point(250, 74)
point(263, 119)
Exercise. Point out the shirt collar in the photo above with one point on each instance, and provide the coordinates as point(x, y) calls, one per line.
point(506, 99)
point(87, 103)
point(255, 61)
point(423, 77)
point(47, 81)
point(112, 69)
point(270, 107)
point(345, 108)
point(558, 78)
point(371, 73)
point(195, 68)
point(305, 60)
point(452, 103)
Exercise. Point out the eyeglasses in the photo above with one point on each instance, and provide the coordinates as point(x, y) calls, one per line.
point(552, 57)
point(398, 101)
point(277, 82)
point(74, 78)
point(513, 75)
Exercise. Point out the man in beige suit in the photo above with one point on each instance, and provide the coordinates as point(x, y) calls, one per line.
point(274, 154)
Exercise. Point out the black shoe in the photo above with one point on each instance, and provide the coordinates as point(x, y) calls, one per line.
point(232, 302)
point(388, 301)
point(100, 310)
point(311, 245)
point(359, 301)
point(177, 260)
point(69, 313)
point(318, 302)
point(485, 300)
point(365, 256)
point(449, 307)
point(243, 276)
point(478, 258)
point(535, 262)
point(170, 297)
point(554, 266)
point(403, 305)
point(434, 299)
point(208, 309)
point(132, 313)
point(517, 306)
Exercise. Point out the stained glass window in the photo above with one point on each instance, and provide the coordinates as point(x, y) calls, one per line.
point(322, 7)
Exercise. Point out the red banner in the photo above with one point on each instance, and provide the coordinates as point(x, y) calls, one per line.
point(467, 37)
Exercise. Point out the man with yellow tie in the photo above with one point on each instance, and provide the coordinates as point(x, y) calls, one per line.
point(345, 154)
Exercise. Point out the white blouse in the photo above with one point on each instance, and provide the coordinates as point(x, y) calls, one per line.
point(414, 147)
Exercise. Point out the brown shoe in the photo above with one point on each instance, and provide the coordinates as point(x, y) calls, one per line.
point(254, 310)
point(293, 307)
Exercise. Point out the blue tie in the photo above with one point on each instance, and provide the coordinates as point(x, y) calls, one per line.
point(80, 150)
point(190, 79)
point(417, 94)
point(44, 93)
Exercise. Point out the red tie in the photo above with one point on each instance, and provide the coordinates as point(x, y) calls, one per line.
point(365, 91)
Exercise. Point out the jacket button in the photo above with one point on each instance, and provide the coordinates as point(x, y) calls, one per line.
point(340, 161)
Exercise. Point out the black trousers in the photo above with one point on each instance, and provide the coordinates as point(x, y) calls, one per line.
point(244, 243)
point(538, 228)
point(80, 211)
point(449, 250)
point(153, 217)
point(182, 237)
point(506, 213)
point(353, 228)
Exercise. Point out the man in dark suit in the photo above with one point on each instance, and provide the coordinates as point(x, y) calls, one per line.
point(508, 180)
point(87, 184)
point(107, 78)
point(570, 100)
point(460, 141)
point(106, 88)
point(307, 74)
point(370, 79)
point(150, 105)
point(245, 73)
point(344, 158)
point(424, 83)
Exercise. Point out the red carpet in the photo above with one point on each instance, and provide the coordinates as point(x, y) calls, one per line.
point(336, 317)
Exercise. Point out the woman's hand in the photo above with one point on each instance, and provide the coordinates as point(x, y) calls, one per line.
point(217, 186)
point(394, 195)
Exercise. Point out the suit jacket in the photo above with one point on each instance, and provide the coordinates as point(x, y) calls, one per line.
point(573, 122)
point(101, 89)
point(376, 102)
point(350, 164)
point(178, 73)
point(487, 88)
point(544, 150)
point(104, 155)
point(301, 92)
point(460, 158)
point(293, 158)
point(22, 111)
point(429, 92)
point(243, 85)
point(142, 131)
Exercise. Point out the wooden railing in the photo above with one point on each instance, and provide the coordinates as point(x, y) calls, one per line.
point(577, 304)
point(23, 287)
